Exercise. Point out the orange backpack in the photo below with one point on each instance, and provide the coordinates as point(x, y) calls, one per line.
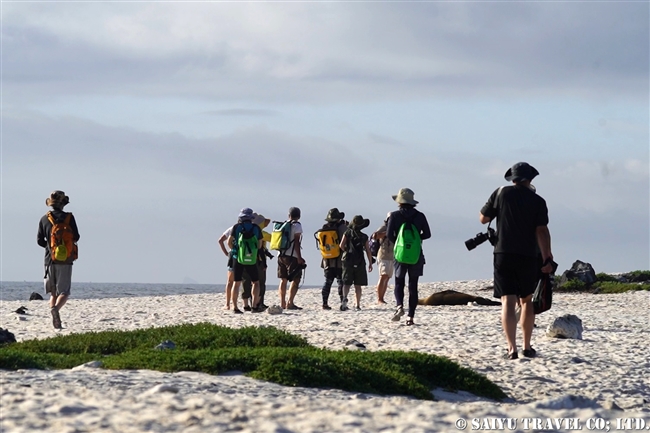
point(63, 248)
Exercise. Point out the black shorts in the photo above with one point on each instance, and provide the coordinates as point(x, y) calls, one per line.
point(515, 274)
point(288, 265)
point(251, 270)
point(356, 275)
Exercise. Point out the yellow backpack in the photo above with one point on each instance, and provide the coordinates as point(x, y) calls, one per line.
point(327, 241)
point(281, 235)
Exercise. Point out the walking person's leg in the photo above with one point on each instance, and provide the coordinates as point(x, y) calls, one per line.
point(509, 322)
point(339, 282)
point(382, 286)
point(400, 281)
point(60, 285)
point(357, 295)
point(414, 273)
point(527, 324)
point(347, 276)
point(329, 274)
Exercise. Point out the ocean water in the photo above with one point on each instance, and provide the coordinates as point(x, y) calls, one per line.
point(21, 290)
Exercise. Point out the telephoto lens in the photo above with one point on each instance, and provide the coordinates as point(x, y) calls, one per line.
point(470, 244)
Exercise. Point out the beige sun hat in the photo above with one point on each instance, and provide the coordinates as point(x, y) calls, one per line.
point(405, 196)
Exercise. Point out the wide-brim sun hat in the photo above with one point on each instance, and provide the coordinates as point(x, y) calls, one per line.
point(57, 198)
point(334, 215)
point(359, 222)
point(405, 196)
point(260, 220)
point(521, 171)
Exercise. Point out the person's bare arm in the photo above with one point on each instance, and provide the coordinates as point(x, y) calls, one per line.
point(484, 219)
point(544, 243)
point(296, 243)
point(369, 257)
point(222, 239)
point(344, 243)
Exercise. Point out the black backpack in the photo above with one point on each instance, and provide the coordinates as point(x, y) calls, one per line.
point(355, 249)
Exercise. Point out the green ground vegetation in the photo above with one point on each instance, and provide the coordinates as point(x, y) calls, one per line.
point(264, 353)
point(606, 283)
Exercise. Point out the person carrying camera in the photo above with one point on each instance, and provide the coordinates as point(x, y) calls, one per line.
point(291, 263)
point(522, 233)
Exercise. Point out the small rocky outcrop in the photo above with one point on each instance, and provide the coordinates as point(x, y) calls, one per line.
point(354, 345)
point(567, 326)
point(579, 271)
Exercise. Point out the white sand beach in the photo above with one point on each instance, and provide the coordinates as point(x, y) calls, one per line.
point(605, 376)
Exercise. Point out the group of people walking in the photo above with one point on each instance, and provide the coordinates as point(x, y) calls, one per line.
point(522, 249)
point(346, 257)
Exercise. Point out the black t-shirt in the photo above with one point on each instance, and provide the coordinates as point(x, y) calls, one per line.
point(519, 211)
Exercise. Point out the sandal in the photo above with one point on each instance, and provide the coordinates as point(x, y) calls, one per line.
point(530, 353)
point(512, 355)
point(409, 322)
point(238, 311)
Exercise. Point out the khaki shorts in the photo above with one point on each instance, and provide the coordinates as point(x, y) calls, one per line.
point(288, 265)
point(386, 267)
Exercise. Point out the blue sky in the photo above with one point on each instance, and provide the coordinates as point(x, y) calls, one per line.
point(162, 120)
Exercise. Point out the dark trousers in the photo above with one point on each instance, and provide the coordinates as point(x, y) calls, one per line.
point(248, 285)
point(330, 275)
point(413, 272)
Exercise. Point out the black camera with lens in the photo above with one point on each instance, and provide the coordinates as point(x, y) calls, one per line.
point(490, 235)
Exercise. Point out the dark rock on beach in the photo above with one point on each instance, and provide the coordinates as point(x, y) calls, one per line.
point(6, 337)
point(35, 297)
point(579, 271)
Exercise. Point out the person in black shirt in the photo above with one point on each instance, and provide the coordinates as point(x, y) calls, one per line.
point(354, 245)
point(523, 235)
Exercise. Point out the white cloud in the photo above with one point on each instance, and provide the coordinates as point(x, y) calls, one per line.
point(331, 51)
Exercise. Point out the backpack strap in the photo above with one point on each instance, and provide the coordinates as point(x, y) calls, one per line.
point(66, 220)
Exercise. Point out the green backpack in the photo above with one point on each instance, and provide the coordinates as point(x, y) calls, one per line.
point(247, 244)
point(408, 245)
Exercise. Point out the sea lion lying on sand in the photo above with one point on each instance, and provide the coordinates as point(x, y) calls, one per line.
point(452, 297)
